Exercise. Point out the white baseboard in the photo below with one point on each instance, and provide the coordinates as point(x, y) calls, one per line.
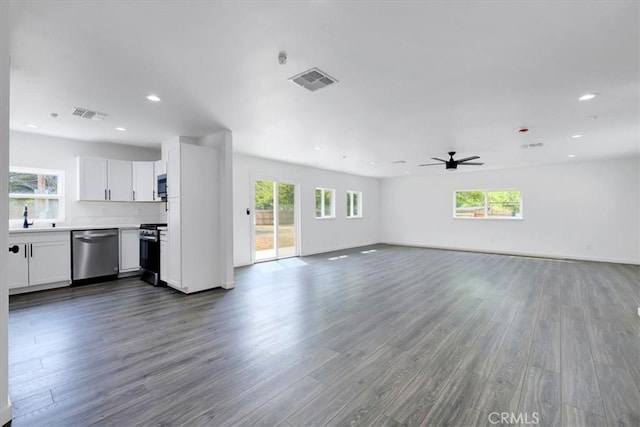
point(518, 253)
point(27, 289)
point(228, 285)
point(6, 413)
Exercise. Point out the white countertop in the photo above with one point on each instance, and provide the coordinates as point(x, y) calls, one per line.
point(42, 229)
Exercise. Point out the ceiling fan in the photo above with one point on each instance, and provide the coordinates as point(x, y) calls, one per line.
point(452, 164)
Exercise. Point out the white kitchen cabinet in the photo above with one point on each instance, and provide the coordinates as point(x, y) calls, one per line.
point(164, 255)
point(92, 179)
point(174, 170)
point(104, 179)
point(192, 249)
point(18, 266)
point(49, 262)
point(120, 180)
point(129, 250)
point(143, 181)
point(42, 258)
point(173, 264)
point(159, 168)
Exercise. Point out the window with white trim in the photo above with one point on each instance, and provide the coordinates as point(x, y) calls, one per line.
point(506, 204)
point(325, 207)
point(41, 190)
point(354, 204)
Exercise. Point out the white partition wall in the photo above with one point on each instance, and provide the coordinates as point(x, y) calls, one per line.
point(5, 403)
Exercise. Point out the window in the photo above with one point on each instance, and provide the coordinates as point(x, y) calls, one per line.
point(354, 204)
point(488, 204)
point(41, 190)
point(324, 203)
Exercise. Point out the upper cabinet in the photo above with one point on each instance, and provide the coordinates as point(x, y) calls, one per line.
point(119, 177)
point(92, 179)
point(143, 182)
point(115, 180)
point(173, 172)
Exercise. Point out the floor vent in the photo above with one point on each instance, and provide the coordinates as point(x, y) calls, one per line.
point(313, 79)
point(88, 114)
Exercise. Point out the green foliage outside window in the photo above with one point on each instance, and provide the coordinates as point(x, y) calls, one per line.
point(488, 204)
point(38, 190)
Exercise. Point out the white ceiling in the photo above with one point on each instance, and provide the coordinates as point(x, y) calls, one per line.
point(416, 79)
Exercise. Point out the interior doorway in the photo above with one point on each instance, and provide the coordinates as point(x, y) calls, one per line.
point(274, 221)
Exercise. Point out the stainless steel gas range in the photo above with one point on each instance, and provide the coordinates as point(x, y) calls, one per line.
point(150, 253)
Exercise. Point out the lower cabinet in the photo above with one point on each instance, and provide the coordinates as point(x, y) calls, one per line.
point(164, 256)
point(173, 264)
point(129, 250)
point(38, 259)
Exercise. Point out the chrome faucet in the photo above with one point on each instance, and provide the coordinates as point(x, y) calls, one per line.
point(26, 222)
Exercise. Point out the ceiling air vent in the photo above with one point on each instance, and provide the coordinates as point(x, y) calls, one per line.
point(313, 79)
point(536, 145)
point(88, 114)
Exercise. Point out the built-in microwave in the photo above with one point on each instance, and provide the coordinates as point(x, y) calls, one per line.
point(162, 186)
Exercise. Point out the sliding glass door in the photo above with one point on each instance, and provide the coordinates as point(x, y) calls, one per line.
point(274, 220)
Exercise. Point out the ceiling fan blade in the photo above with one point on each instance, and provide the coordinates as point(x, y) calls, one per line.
point(440, 160)
point(468, 158)
point(471, 163)
point(431, 164)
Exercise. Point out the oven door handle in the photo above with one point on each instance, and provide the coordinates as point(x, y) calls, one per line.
point(148, 238)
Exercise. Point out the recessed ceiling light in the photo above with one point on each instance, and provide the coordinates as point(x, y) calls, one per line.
point(571, 156)
point(32, 126)
point(316, 148)
point(576, 136)
point(121, 129)
point(399, 162)
point(154, 98)
point(372, 163)
point(587, 96)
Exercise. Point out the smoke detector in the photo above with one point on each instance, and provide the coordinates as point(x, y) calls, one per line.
point(88, 114)
point(282, 58)
point(313, 79)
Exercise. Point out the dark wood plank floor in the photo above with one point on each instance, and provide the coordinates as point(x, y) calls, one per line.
point(395, 336)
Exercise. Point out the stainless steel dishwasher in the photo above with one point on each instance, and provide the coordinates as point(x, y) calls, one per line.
point(95, 254)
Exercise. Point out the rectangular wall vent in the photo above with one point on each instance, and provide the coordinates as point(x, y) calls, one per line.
point(313, 79)
point(88, 114)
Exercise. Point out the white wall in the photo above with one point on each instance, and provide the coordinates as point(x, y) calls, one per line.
point(31, 150)
point(318, 235)
point(5, 403)
point(585, 210)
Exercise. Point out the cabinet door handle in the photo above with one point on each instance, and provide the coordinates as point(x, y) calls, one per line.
point(154, 194)
point(134, 195)
point(105, 194)
point(109, 194)
point(31, 250)
point(25, 251)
